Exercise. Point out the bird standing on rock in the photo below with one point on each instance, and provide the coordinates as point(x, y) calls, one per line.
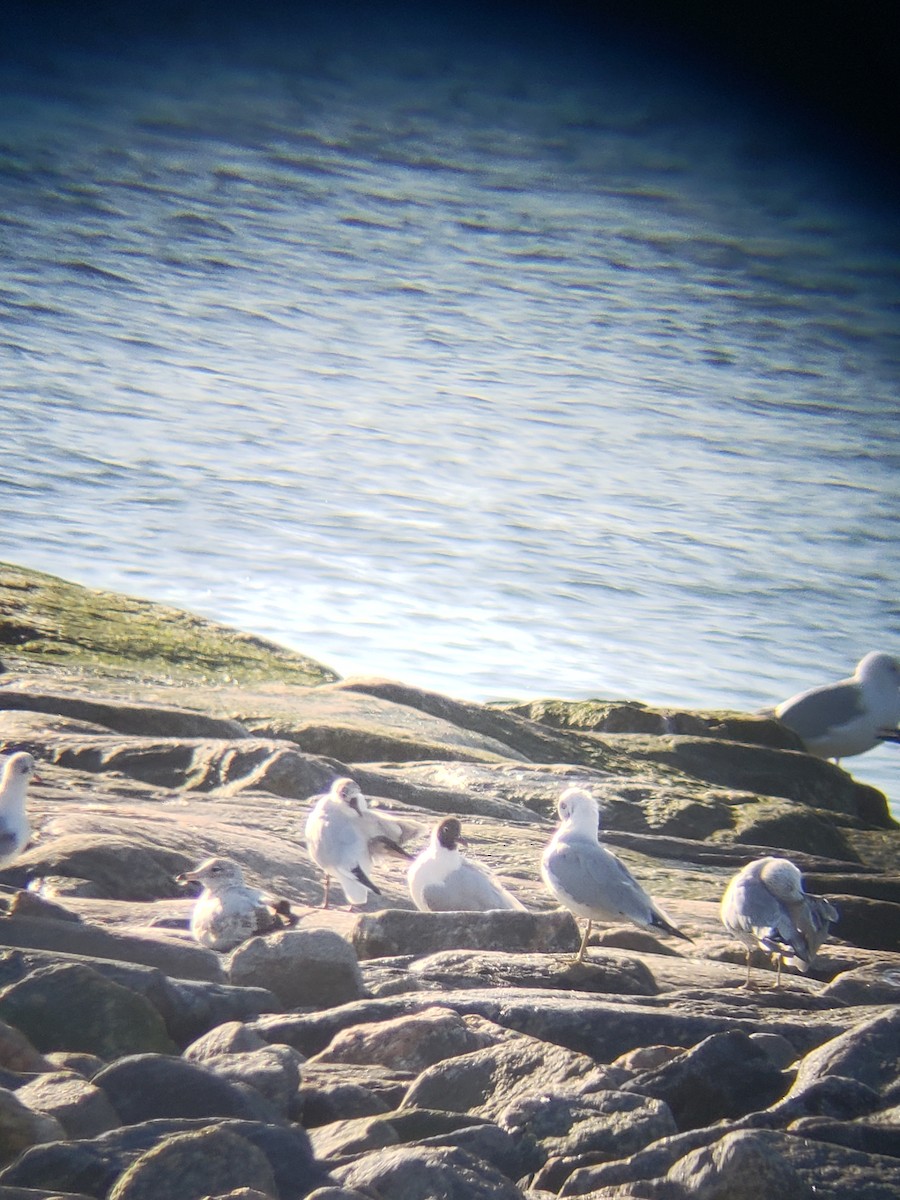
point(588, 879)
point(229, 911)
point(341, 834)
point(765, 907)
point(838, 720)
point(441, 879)
point(15, 830)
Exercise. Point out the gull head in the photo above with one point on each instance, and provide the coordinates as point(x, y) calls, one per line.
point(579, 807)
point(20, 766)
point(448, 834)
point(215, 874)
point(882, 670)
point(347, 791)
point(783, 879)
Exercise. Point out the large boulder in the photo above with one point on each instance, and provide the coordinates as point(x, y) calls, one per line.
point(313, 968)
point(196, 1164)
point(868, 1053)
point(423, 1172)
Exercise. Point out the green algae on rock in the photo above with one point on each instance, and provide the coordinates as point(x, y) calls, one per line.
point(46, 621)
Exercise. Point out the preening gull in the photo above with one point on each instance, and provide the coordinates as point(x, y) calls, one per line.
point(851, 716)
point(765, 907)
point(15, 830)
point(588, 879)
point(442, 879)
point(228, 911)
point(342, 833)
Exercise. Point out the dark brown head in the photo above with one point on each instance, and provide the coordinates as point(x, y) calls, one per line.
point(449, 834)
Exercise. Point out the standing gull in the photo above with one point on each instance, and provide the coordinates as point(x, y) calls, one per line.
point(765, 907)
point(228, 911)
point(441, 879)
point(851, 716)
point(342, 833)
point(15, 830)
point(589, 880)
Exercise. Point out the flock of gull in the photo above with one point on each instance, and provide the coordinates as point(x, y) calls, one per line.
point(764, 906)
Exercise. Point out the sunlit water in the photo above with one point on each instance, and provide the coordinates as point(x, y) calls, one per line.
point(497, 369)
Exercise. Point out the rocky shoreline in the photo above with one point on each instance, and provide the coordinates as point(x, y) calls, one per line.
point(396, 1054)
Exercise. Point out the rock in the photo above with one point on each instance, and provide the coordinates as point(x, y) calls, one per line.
point(725, 1075)
point(453, 969)
point(740, 1166)
point(354, 1136)
point(867, 922)
point(569, 1129)
point(232, 1037)
point(304, 968)
point(30, 904)
point(143, 1087)
point(273, 1071)
point(871, 984)
point(485, 1082)
point(122, 716)
point(85, 1065)
point(21, 1127)
point(193, 1165)
point(778, 1050)
point(72, 1007)
point(17, 1052)
point(323, 1102)
point(421, 1173)
point(118, 868)
point(868, 1053)
point(397, 931)
point(412, 1043)
point(81, 1109)
point(867, 1136)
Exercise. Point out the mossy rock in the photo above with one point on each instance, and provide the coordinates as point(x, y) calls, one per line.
point(49, 622)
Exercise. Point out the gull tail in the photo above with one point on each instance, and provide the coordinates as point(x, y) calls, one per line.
point(890, 735)
point(658, 921)
point(387, 845)
point(363, 878)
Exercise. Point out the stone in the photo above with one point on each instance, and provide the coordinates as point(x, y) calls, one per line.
point(21, 1127)
point(869, 1137)
point(72, 1007)
point(194, 1165)
point(143, 1087)
point(231, 1037)
point(868, 1053)
point(875, 983)
point(398, 931)
point(725, 1075)
point(353, 1136)
point(867, 922)
point(273, 1071)
point(82, 1109)
point(120, 869)
point(323, 1102)
point(424, 1172)
point(304, 968)
point(17, 1052)
point(453, 969)
point(324, 1085)
point(740, 1166)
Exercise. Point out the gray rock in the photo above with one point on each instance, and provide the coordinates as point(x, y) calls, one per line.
point(193, 1165)
point(485, 1082)
point(17, 1052)
point(304, 968)
point(323, 1084)
point(422, 1173)
point(353, 1136)
point(866, 1136)
point(119, 868)
point(324, 1102)
point(867, 922)
point(740, 1166)
point(398, 931)
point(143, 1087)
point(273, 1071)
point(455, 969)
point(72, 1007)
point(869, 1053)
point(725, 1075)
point(232, 1037)
point(21, 1127)
point(85, 1065)
point(81, 1109)
point(875, 983)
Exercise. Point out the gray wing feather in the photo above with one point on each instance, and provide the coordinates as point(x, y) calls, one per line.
point(596, 879)
point(467, 889)
point(813, 713)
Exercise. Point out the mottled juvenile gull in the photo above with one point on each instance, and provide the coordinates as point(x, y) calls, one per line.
point(342, 833)
point(442, 879)
point(15, 829)
point(838, 720)
point(765, 907)
point(228, 911)
point(588, 879)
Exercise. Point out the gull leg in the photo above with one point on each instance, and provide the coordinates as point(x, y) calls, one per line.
point(579, 957)
point(777, 971)
point(327, 889)
point(747, 980)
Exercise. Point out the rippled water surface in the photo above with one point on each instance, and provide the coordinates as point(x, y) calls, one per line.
point(499, 368)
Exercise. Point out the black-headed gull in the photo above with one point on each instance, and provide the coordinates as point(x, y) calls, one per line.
point(442, 879)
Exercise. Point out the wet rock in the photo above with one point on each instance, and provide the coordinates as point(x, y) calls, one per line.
point(305, 968)
point(21, 1127)
point(740, 1166)
point(81, 1109)
point(143, 1087)
point(72, 1007)
point(194, 1165)
point(397, 931)
point(421, 1173)
point(725, 1075)
point(868, 1053)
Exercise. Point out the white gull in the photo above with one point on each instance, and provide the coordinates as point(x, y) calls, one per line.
point(229, 911)
point(838, 720)
point(442, 879)
point(765, 907)
point(15, 830)
point(588, 879)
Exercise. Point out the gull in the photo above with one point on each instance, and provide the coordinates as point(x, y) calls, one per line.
point(441, 879)
point(15, 829)
point(228, 911)
point(765, 906)
point(838, 720)
point(588, 879)
point(342, 833)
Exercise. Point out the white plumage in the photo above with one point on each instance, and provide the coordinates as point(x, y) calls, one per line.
point(229, 911)
point(15, 829)
point(442, 879)
point(588, 879)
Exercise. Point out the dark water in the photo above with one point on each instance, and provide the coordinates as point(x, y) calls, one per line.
point(500, 361)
